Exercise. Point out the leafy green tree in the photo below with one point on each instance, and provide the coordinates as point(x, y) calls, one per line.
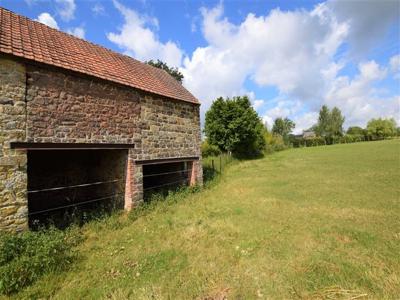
point(336, 121)
point(355, 130)
point(322, 127)
point(330, 123)
point(174, 72)
point(381, 128)
point(283, 127)
point(233, 125)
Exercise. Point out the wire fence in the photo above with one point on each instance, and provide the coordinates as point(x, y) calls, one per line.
point(167, 184)
point(73, 205)
point(217, 163)
point(183, 181)
point(72, 186)
point(168, 173)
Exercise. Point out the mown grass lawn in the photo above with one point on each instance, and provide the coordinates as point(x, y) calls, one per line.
point(303, 223)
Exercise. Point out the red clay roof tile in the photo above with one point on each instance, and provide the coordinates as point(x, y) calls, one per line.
point(32, 40)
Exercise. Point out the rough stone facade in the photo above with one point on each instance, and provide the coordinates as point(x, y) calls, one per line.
point(13, 163)
point(40, 104)
point(68, 109)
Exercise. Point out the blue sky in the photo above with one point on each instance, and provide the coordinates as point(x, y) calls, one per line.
point(289, 57)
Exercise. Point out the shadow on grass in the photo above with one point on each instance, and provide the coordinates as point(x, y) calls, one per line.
point(209, 174)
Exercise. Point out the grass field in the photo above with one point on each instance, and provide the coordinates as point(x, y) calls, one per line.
point(303, 223)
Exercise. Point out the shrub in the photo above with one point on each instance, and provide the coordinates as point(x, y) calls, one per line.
point(274, 142)
point(316, 141)
point(26, 256)
point(381, 128)
point(352, 138)
point(308, 142)
point(319, 141)
point(209, 150)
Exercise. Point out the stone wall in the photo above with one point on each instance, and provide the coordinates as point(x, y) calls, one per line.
point(45, 105)
point(13, 177)
point(169, 129)
point(68, 109)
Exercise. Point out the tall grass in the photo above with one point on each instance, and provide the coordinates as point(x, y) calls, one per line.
point(27, 256)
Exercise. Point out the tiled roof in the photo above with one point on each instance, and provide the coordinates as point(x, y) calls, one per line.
point(22, 37)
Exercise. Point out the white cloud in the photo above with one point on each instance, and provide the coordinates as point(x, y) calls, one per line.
point(283, 108)
point(137, 38)
point(258, 103)
point(305, 121)
point(98, 9)
point(371, 71)
point(77, 31)
point(66, 9)
point(359, 100)
point(211, 73)
point(368, 21)
point(395, 63)
point(298, 52)
point(289, 50)
point(48, 20)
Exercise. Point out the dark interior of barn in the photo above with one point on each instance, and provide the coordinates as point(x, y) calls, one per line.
point(66, 186)
point(161, 178)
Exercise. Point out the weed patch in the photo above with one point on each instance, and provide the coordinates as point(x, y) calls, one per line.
point(25, 257)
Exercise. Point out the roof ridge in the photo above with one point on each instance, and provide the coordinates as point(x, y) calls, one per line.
point(42, 44)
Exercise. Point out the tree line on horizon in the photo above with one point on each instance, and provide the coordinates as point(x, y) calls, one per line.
point(329, 130)
point(233, 126)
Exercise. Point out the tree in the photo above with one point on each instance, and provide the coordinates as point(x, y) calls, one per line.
point(336, 121)
point(355, 130)
point(321, 129)
point(381, 128)
point(330, 123)
point(283, 127)
point(233, 125)
point(174, 72)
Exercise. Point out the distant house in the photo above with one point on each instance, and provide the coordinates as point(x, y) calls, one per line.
point(309, 134)
point(80, 123)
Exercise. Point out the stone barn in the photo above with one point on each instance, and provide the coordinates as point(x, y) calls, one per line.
point(80, 123)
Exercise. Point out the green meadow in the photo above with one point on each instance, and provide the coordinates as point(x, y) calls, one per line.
point(306, 223)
